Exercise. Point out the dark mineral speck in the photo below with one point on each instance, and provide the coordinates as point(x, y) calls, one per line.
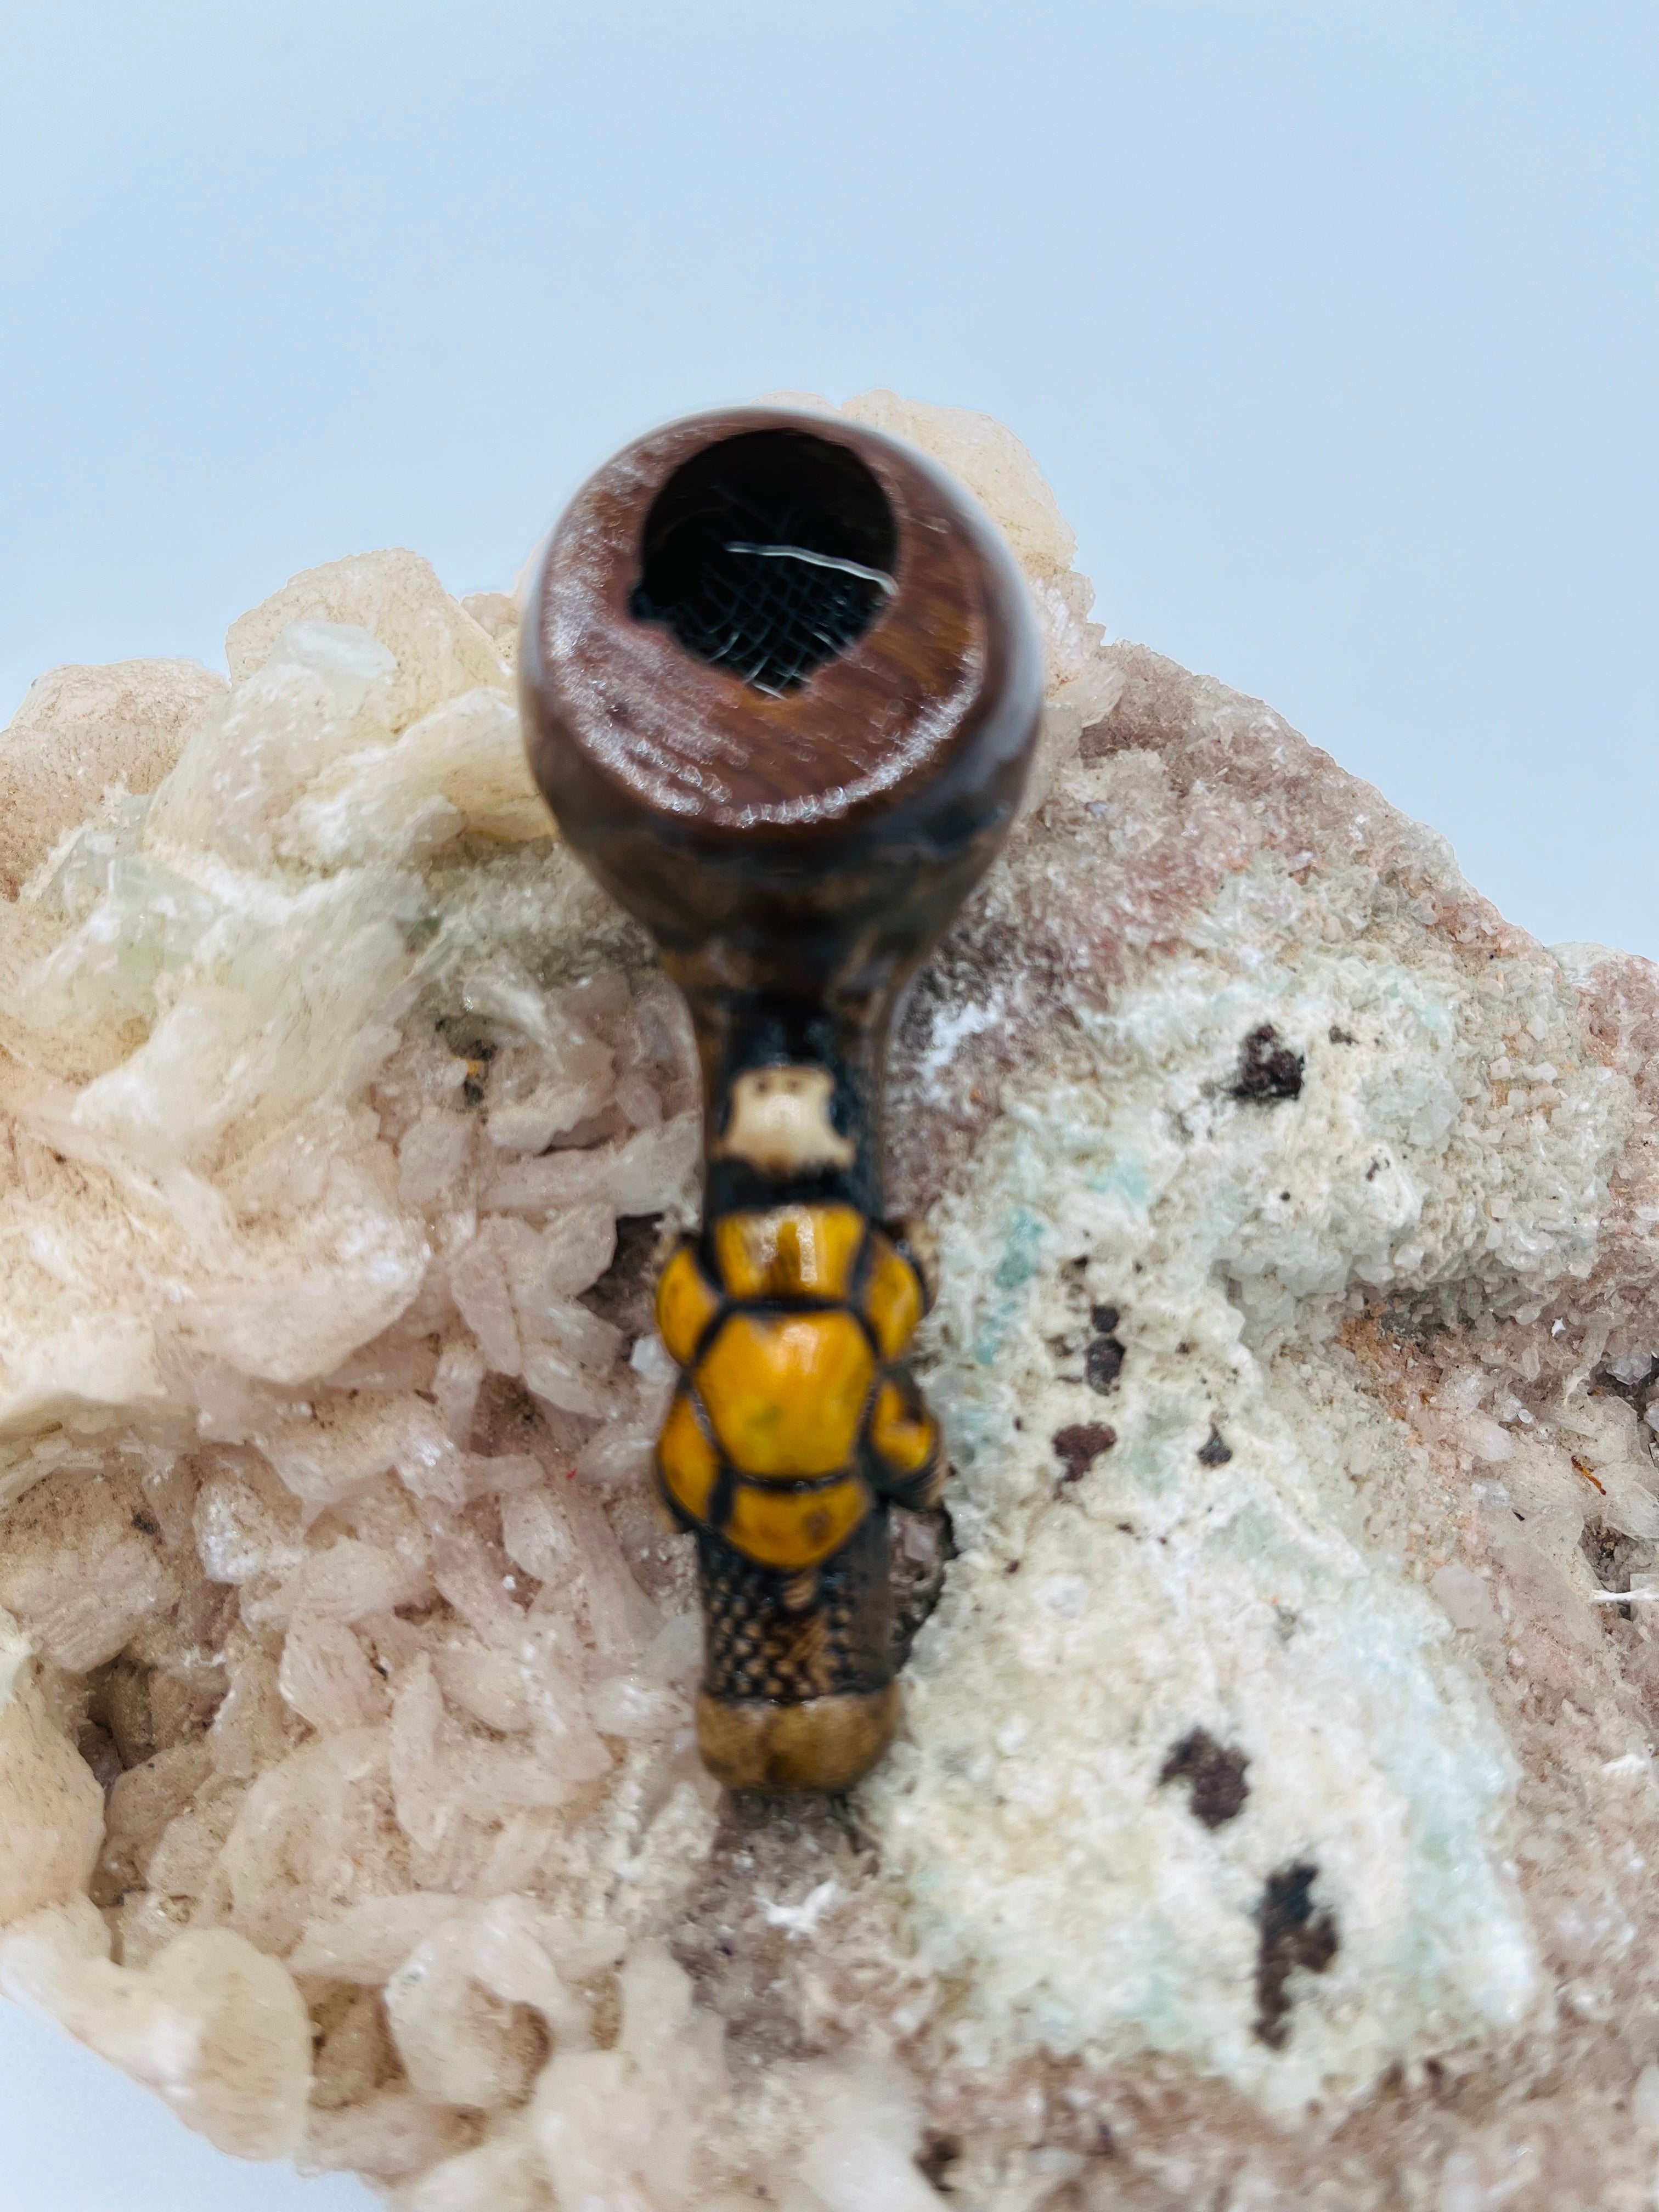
point(1214, 1772)
point(1103, 1363)
point(1267, 1068)
point(1293, 1935)
point(1080, 1445)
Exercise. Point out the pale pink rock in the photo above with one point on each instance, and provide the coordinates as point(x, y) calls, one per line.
point(213, 2025)
point(1274, 1813)
point(52, 1810)
point(82, 730)
point(326, 1677)
point(81, 1577)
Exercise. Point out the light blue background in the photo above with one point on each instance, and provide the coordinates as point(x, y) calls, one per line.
point(1332, 325)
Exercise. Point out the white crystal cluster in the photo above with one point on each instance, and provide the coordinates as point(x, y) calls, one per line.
point(1273, 1819)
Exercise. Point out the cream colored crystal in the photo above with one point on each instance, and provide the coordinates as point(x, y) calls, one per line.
point(438, 650)
point(212, 2024)
point(51, 1813)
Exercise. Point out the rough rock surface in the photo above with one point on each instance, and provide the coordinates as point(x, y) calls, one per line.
point(1275, 1818)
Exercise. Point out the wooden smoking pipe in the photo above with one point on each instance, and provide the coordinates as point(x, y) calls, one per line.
point(781, 685)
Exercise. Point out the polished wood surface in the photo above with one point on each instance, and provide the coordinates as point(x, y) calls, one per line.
point(862, 802)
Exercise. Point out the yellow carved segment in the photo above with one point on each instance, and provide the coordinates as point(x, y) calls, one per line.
point(904, 1437)
point(893, 1299)
point(689, 1461)
point(685, 1306)
point(789, 1251)
point(786, 1395)
point(791, 1529)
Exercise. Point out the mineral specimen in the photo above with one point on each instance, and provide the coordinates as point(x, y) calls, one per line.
point(1273, 1817)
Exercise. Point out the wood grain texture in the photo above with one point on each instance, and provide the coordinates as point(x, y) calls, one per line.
point(846, 817)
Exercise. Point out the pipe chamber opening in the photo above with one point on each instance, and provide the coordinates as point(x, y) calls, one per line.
point(767, 554)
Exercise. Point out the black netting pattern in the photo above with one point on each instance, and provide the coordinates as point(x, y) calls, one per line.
point(767, 554)
point(771, 613)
